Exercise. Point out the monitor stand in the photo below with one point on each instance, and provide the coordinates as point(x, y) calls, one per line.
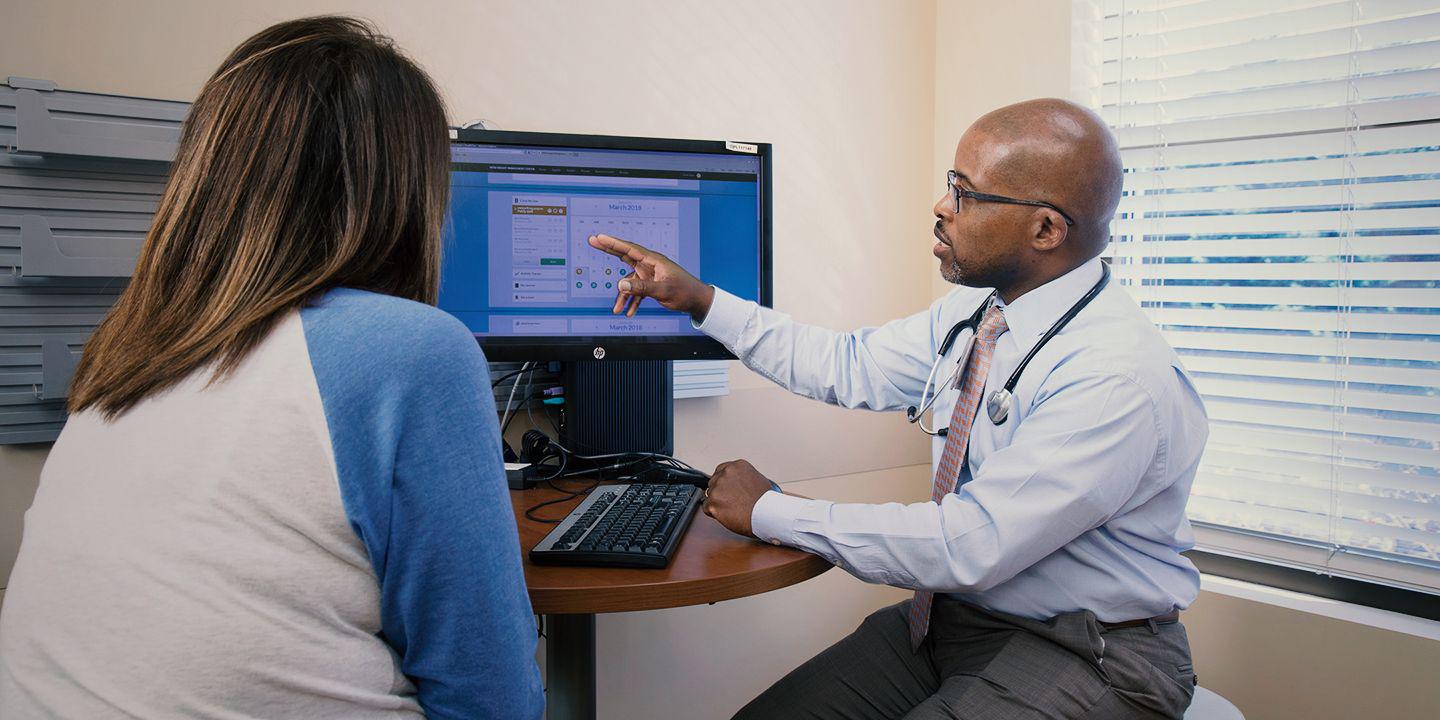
point(617, 406)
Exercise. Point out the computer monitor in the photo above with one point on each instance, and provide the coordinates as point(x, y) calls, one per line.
point(518, 270)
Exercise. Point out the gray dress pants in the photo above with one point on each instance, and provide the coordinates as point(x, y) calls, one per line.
point(977, 664)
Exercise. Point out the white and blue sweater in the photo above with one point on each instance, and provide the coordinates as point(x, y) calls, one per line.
point(324, 534)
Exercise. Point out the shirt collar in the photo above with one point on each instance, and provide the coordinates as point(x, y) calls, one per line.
point(1031, 314)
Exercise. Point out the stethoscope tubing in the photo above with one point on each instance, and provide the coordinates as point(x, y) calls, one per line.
point(998, 404)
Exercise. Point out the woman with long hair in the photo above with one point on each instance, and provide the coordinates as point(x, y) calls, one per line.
point(280, 491)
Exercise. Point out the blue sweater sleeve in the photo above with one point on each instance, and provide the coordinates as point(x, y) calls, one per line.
point(417, 447)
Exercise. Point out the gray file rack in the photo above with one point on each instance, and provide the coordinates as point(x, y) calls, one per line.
point(80, 177)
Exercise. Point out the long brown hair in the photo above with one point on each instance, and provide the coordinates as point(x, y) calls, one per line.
point(315, 157)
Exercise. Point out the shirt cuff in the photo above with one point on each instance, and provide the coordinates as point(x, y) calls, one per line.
point(727, 318)
point(775, 514)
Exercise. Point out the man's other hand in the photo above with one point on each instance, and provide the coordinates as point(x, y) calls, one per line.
point(735, 487)
point(655, 276)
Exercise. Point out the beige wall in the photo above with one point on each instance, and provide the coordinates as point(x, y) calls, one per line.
point(987, 55)
point(864, 102)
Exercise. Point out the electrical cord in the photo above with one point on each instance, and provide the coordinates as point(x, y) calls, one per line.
point(652, 462)
point(530, 415)
point(505, 420)
point(631, 465)
point(513, 373)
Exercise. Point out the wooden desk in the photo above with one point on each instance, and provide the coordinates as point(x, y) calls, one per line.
point(711, 564)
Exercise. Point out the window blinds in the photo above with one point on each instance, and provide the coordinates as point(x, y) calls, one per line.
point(1281, 224)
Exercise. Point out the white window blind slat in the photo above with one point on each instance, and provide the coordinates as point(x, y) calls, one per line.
point(1422, 324)
point(1181, 14)
point(1300, 417)
point(1416, 378)
point(1284, 493)
point(1307, 345)
point(1250, 435)
point(1367, 246)
point(1302, 198)
point(1158, 63)
point(1289, 296)
point(1314, 393)
point(1316, 471)
point(1381, 535)
point(1139, 36)
point(1248, 102)
point(1391, 536)
point(1231, 18)
point(1332, 271)
point(1276, 124)
point(1313, 175)
point(1293, 222)
point(1255, 153)
point(1339, 64)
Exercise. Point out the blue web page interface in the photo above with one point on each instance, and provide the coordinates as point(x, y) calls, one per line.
point(517, 260)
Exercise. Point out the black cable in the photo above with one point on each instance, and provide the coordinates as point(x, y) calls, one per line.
point(569, 495)
point(511, 374)
point(537, 395)
point(530, 510)
point(549, 480)
point(626, 461)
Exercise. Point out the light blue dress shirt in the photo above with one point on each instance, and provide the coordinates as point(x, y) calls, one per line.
point(1076, 503)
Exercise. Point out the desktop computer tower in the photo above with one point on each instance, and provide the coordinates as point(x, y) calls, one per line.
point(616, 406)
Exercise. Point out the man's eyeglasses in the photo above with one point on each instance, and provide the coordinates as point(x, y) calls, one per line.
point(957, 192)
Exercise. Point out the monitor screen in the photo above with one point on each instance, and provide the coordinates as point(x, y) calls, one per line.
point(518, 269)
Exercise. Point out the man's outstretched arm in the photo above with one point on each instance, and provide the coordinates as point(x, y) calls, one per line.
point(877, 368)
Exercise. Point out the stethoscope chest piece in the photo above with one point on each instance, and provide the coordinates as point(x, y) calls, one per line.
point(998, 406)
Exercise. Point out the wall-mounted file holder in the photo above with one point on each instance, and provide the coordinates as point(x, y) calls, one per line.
point(39, 355)
point(44, 374)
point(74, 217)
point(42, 256)
point(57, 367)
point(56, 122)
point(35, 374)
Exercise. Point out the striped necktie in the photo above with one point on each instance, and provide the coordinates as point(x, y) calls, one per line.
point(956, 441)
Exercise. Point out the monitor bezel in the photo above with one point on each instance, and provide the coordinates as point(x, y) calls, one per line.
point(626, 347)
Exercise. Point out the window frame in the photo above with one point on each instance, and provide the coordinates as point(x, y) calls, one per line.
point(1415, 603)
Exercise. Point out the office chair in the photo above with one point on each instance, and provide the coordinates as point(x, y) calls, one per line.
point(1208, 706)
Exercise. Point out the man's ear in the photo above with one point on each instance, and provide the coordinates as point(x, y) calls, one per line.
point(1049, 230)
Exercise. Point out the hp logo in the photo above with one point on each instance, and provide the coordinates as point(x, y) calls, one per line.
point(599, 353)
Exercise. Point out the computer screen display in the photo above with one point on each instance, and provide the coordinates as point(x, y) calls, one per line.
point(518, 269)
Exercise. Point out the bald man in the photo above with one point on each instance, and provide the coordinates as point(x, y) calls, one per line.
point(1047, 565)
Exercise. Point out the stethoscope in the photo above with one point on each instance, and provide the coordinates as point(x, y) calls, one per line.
point(997, 406)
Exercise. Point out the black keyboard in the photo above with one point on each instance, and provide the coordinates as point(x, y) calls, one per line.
point(621, 526)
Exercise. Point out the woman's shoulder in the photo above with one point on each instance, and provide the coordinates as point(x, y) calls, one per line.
point(371, 333)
